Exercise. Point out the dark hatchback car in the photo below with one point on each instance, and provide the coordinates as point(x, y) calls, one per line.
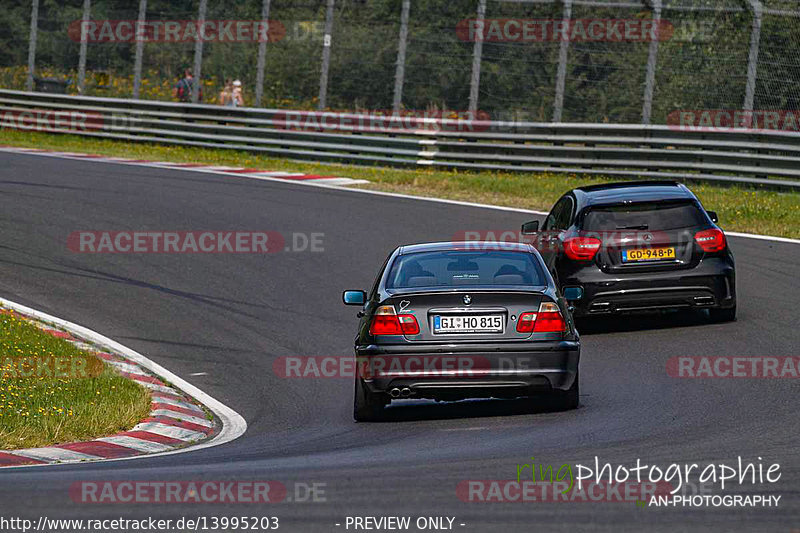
point(637, 246)
point(448, 321)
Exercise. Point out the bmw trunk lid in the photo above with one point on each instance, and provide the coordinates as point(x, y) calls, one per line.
point(465, 315)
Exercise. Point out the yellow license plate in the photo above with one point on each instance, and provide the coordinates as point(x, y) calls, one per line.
point(648, 254)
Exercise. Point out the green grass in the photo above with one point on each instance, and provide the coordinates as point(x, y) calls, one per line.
point(81, 402)
point(739, 208)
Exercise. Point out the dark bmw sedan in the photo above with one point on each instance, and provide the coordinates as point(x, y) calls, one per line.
point(448, 321)
point(637, 246)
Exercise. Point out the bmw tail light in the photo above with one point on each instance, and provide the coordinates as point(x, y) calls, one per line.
point(581, 248)
point(526, 322)
point(549, 319)
point(386, 321)
point(711, 240)
point(409, 325)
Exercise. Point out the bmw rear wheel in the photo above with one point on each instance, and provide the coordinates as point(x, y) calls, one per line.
point(564, 400)
point(367, 407)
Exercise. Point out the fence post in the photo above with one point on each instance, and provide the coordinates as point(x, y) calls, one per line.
point(198, 52)
point(652, 57)
point(262, 53)
point(139, 35)
point(752, 61)
point(477, 54)
point(32, 44)
point(400, 71)
point(326, 57)
point(561, 75)
point(87, 11)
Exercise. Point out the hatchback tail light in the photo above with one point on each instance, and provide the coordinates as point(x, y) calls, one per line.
point(386, 321)
point(581, 248)
point(547, 320)
point(711, 240)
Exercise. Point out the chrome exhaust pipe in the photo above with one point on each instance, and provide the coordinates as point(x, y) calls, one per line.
point(406, 392)
point(394, 393)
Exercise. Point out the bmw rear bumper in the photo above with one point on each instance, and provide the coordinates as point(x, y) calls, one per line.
point(449, 371)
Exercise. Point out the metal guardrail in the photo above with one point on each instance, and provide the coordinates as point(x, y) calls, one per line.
point(768, 159)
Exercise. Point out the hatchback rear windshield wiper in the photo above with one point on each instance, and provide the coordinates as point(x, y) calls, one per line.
point(639, 226)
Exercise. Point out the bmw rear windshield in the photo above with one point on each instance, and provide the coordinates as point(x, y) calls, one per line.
point(644, 216)
point(456, 268)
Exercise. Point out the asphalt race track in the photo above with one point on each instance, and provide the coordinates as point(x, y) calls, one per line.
point(231, 315)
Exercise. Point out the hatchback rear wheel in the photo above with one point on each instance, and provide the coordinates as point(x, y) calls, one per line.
point(723, 315)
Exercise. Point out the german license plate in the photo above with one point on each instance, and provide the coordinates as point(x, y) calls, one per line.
point(647, 254)
point(468, 324)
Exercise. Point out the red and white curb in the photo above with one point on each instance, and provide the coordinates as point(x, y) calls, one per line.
point(178, 420)
point(259, 173)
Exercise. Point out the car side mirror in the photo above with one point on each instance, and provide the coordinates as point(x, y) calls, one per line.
point(354, 297)
point(530, 228)
point(713, 216)
point(573, 293)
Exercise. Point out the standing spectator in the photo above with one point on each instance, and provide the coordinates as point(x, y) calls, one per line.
point(238, 99)
point(226, 96)
point(182, 91)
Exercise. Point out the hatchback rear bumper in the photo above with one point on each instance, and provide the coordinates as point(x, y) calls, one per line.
point(712, 284)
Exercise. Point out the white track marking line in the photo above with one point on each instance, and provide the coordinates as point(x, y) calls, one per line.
point(142, 445)
point(233, 424)
point(182, 417)
point(266, 173)
point(173, 432)
point(224, 168)
point(762, 237)
point(54, 454)
point(339, 181)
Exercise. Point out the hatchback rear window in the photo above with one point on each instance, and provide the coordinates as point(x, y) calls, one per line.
point(464, 268)
point(645, 216)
